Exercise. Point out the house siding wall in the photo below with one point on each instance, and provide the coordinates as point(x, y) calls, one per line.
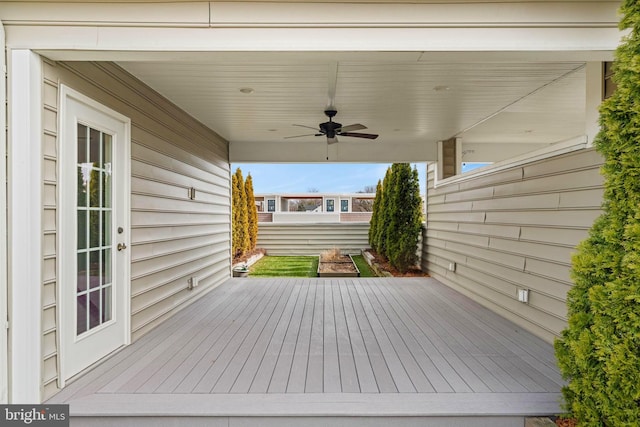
point(311, 239)
point(172, 237)
point(513, 229)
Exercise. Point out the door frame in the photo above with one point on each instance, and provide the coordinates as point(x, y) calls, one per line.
point(66, 196)
point(4, 311)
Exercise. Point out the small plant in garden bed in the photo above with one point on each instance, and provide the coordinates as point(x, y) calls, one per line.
point(333, 255)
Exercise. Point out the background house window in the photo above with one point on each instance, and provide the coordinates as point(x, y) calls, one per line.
point(330, 205)
point(344, 206)
point(271, 205)
point(609, 84)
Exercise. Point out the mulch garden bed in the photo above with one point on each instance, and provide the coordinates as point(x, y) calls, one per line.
point(383, 264)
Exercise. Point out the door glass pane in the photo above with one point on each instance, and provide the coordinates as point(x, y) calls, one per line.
point(94, 309)
point(94, 147)
point(82, 188)
point(106, 228)
point(105, 273)
point(94, 228)
point(82, 229)
point(81, 312)
point(82, 272)
point(82, 143)
point(94, 269)
point(94, 216)
point(106, 304)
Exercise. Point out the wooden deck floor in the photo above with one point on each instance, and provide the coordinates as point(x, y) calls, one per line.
point(313, 346)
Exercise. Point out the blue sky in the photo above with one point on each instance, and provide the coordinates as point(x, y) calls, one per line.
point(332, 177)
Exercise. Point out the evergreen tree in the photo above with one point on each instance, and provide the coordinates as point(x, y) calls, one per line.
point(235, 215)
point(385, 208)
point(375, 217)
point(406, 217)
point(252, 213)
point(599, 352)
point(240, 216)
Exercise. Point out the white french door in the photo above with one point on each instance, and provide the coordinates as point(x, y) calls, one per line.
point(94, 232)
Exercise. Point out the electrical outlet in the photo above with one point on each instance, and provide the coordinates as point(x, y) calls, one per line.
point(192, 282)
point(452, 266)
point(523, 295)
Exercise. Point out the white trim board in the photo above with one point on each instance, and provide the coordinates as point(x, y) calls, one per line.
point(546, 152)
point(4, 313)
point(25, 225)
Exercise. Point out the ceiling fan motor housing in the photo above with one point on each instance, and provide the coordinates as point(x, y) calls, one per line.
point(329, 128)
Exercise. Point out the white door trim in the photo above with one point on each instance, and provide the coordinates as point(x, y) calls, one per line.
point(66, 198)
point(4, 313)
point(25, 224)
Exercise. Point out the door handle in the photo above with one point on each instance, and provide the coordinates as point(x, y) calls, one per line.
point(121, 246)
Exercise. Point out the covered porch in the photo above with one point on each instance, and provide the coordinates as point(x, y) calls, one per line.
point(383, 351)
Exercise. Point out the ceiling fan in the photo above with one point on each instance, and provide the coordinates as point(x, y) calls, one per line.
point(332, 129)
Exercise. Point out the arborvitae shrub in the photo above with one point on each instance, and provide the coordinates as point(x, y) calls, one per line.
point(406, 217)
point(235, 215)
point(599, 352)
point(383, 220)
point(375, 217)
point(252, 213)
point(396, 220)
point(240, 216)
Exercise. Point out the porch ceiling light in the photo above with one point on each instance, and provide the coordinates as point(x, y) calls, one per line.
point(441, 88)
point(247, 90)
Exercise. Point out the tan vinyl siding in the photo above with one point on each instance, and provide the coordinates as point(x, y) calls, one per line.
point(311, 239)
point(172, 238)
point(513, 229)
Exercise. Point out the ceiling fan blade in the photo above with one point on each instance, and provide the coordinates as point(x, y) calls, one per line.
point(308, 127)
point(300, 136)
point(359, 135)
point(333, 140)
point(349, 128)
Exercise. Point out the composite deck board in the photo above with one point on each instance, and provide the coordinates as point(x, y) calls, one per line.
point(503, 331)
point(407, 357)
point(244, 364)
point(424, 360)
point(440, 352)
point(298, 373)
point(169, 355)
point(327, 337)
point(180, 368)
point(331, 366)
point(450, 380)
point(399, 374)
point(384, 378)
point(115, 368)
point(513, 353)
point(197, 365)
point(263, 356)
point(348, 373)
point(430, 317)
point(314, 382)
point(243, 337)
point(361, 362)
point(206, 331)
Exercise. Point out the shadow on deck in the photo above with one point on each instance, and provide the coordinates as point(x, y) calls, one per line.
point(313, 352)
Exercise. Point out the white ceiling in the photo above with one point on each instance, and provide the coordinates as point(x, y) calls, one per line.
point(394, 94)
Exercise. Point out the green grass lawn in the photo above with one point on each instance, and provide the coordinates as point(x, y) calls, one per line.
point(298, 266)
point(365, 270)
point(285, 266)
